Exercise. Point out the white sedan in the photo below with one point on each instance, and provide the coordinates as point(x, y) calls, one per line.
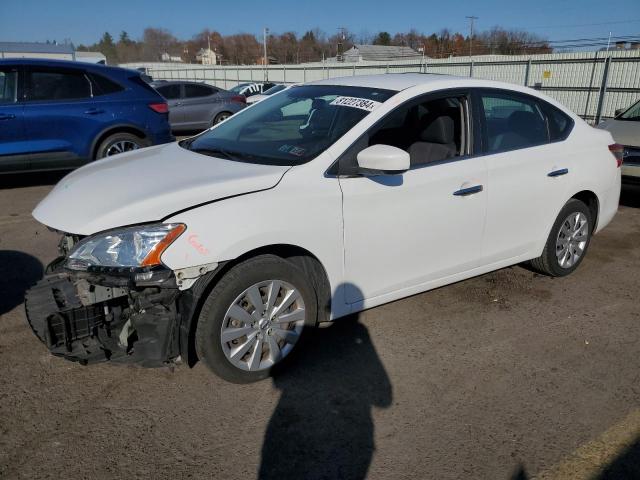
point(321, 201)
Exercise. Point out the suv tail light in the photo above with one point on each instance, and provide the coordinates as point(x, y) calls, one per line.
point(159, 107)
point(617, 151)
point(239, 98)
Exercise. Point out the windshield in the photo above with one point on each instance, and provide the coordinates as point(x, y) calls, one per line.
point(290, 128)
point(274, 89)
point(632, 113)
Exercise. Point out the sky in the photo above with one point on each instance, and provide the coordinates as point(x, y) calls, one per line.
point(83, 22)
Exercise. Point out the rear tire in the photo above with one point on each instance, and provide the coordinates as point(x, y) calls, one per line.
point(221, 117)
point(242, 342)
point(568, 241)
point(120, 143)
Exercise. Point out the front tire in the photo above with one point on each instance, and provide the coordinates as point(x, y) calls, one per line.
point(568, 241)
point(254, 318)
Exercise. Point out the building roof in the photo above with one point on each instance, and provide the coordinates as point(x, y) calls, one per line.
point(381, 52)
point(34, 47)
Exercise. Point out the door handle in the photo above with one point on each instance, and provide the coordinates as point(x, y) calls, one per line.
point(463, 192)
point(94, 111)
point(7, 116)
point(557, 173)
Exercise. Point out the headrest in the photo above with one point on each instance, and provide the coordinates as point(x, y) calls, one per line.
point(439, 130)
point(521, 121)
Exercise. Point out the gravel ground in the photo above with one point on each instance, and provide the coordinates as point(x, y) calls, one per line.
point(510, 375)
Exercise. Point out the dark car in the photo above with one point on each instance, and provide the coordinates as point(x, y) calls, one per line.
point(198, 106)
point(58, 114)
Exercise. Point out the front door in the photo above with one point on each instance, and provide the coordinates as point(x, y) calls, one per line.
point(404, 231)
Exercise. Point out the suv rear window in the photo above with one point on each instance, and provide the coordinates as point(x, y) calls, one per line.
point(58, 85)
point(103, 85)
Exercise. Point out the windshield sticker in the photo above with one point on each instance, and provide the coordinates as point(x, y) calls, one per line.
point(355, 102)
point(292, 150)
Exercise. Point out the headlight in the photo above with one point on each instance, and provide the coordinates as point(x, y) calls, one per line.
point(139, 246)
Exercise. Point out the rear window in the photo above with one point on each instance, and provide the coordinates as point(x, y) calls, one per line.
point(103, 85)
point(58, 85)
point(194, 91)
point(170, 92)
point(141, 83)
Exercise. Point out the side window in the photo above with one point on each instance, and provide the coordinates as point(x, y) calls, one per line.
point(103, 85)
point(170, 92)
point(58, 85)
point(512, 122)
point(8, 86)
point(195, 91)
point(430, 131)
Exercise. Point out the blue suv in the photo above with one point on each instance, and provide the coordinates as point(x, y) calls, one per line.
point(60, 115)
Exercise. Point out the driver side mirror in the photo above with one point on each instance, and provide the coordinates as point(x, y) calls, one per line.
point(379, 159)
point(618, 112)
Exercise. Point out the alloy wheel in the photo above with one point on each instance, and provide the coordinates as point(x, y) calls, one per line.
point(572, 239)
point(262, 325)
point(121, 146)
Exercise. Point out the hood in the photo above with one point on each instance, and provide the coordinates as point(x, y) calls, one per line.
point(625, 132)
point(147, 185)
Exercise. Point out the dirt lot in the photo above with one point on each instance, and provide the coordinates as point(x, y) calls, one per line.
point(511, 375)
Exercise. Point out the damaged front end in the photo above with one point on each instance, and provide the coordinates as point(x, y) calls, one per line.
point(127, 315)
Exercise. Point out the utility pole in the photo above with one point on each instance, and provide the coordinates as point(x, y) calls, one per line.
point(265, 61)
point(340, 47)
point(471, 20)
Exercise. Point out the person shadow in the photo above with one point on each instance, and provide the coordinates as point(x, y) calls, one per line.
point(19, 272)
point(322, 426)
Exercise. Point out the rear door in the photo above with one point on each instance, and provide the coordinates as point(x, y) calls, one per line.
point(12, 135)
point(172, 93)
point(529, 171)
point(61, 117)
point(198, 105)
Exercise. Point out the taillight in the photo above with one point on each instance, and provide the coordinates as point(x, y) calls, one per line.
point(159, 107)
point(617, 151)
point(239, 98)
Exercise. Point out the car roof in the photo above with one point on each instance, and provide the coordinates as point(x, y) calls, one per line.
point(402, 81)
point(65, 63)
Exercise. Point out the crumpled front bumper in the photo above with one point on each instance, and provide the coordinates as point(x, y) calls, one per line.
point(94, 318)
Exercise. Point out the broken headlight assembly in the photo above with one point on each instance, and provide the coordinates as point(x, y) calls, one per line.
point(124, 249)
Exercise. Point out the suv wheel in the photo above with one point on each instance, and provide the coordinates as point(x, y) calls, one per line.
point(120, 143)
point(254, 318)
point(568, 241)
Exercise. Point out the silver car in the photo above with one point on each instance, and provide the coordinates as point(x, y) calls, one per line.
point(198, 106)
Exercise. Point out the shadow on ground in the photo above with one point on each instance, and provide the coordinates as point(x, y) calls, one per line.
point(630, 196)
point(20, 271)
point(19, 180)
point(322, 427)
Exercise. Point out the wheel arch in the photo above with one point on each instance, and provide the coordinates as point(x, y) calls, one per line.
point(111, 130)
point(590, 199)
point(301, 257)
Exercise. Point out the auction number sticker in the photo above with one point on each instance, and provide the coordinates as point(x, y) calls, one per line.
point(355, 102)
